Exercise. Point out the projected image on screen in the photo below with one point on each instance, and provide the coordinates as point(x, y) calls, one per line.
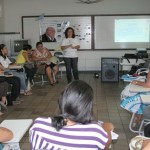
point(132, 30)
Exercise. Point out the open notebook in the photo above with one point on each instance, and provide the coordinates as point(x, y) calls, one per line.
point(137, 88)
point(145, 99)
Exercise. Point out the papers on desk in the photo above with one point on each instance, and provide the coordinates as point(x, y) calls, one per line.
point(18, 127)
point(129, 78)
point(114, 136)
point(15, 67)
point(137, 88)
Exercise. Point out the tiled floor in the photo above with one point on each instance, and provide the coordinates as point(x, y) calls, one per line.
point(43, 102)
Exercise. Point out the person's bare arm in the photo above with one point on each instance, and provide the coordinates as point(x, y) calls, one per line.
point(144, 84)
point(34, 58)
point(25, 55)
point(65, 47)
point(146, 145)
point(76, 47)
point(5, 134)
point(49, 54)
point(108, 127)
point(2, 67)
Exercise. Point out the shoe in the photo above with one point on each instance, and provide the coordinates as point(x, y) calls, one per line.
point(52, 84)
point(3, 105)
point(28, 93)
point(16, 103)
point(19, 99)
point(56, 82)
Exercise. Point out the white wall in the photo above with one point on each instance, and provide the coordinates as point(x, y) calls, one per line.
point(1, 16)
point(88, 60)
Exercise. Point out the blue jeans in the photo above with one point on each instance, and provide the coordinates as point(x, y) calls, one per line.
point(71, 67)
point(22, 76)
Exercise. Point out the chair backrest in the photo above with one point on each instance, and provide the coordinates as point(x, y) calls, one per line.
point(59, 55)
point(146, 112)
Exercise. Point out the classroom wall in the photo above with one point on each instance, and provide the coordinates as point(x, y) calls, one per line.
point(1, 20)
point(14, 9)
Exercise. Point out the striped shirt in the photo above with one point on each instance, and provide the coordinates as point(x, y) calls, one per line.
point(82, 137)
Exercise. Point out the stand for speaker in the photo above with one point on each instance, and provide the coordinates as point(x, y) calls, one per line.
point(109, 69)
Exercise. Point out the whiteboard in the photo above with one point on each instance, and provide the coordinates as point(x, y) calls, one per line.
point(122, 32)
point(32, 28)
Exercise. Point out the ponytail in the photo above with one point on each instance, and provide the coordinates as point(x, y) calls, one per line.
point(58, 122)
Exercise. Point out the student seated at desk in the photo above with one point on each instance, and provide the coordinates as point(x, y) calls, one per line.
point(73, 128)
point(3, 92)
point(15, 90)
point(42, 57)
point(133, 103)
point(23, 58)
point(7, 64)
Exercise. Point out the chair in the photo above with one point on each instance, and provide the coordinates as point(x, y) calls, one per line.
point(61, 63)
point(146, 118)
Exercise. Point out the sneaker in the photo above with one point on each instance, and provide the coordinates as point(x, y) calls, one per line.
point(3, 105)
point(16, 102)
point(19, 99)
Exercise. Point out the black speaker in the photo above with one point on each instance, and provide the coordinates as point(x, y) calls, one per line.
point(109, 69)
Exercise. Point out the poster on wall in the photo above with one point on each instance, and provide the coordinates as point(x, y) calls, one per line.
point(52, 30)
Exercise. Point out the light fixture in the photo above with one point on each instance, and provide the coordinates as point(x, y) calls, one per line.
point(89, 1)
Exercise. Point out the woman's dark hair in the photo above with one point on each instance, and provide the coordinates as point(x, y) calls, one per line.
point(1, 47)
point(39, 43)
point(66, 31)
point(75, 104)
point(27, 47)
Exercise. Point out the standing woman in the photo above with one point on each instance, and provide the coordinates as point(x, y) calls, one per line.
point(69, 45)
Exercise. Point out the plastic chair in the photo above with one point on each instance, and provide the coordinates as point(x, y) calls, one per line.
point(61, 62)
point(146, 118)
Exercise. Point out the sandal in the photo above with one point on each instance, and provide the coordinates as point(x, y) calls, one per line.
point(3, 105)
point(56, 82)
point(28, 93)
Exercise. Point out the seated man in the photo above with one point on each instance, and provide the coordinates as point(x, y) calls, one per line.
point(42, 58)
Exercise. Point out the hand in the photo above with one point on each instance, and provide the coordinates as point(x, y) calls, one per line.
point(108, 127)
point(134, 82)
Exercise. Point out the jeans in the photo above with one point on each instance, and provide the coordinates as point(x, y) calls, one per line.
point(22, 77)
point(71, 67)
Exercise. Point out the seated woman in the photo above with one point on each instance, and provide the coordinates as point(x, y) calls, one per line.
point(15, 90)
point(3, 93)
point(73, 128)
point(42, 55)
point(133, 103)
point(6, 63)
point(23, 58)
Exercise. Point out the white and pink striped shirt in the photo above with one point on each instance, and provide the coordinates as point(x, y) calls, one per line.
point(82, 137)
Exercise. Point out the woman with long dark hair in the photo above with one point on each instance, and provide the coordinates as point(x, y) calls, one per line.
point(73, 128)
point(69, 45)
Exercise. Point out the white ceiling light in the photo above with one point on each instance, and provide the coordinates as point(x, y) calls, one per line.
point(89, 1)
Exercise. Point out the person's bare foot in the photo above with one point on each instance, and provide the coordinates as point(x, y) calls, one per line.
point(1, 113)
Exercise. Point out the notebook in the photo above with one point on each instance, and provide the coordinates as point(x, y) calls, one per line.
point(18, 127)
point(145, 99)
point(137, 88)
